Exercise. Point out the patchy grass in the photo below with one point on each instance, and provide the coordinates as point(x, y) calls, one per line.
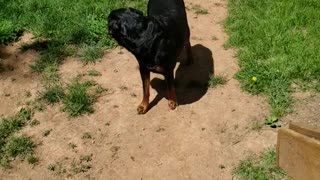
point(13, 146)
point(278, 44)
point(260, 168)
point(53, 55)
point(217, 80)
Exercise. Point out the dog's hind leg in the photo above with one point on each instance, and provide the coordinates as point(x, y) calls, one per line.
point(145, 77)
point(189, 53)
point(171, 90)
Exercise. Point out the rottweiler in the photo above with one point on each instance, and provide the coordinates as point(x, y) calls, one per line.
point(156, 40)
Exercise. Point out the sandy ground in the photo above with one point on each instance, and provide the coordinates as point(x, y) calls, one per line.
point(204, 138)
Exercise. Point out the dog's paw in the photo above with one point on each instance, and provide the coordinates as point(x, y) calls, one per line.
point(172, 105)
point(142, 109)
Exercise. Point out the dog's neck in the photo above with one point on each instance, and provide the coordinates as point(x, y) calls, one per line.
point(147, 40)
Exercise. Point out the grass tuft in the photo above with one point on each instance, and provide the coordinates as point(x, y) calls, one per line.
point(53, 95)
point(260, 168)
point(77, 100)
point(217, 80)
point(19, 146)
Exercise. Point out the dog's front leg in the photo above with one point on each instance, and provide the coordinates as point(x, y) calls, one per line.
point(145, 77)
point(171, 90)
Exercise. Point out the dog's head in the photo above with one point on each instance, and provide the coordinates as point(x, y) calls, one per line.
point(126, 24)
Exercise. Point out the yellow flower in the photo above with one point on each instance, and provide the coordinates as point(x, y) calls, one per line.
point(254, 78)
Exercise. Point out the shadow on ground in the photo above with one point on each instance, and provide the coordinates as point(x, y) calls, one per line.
point(191, 81)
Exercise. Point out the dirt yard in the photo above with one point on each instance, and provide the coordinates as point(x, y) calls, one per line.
point(204, 138)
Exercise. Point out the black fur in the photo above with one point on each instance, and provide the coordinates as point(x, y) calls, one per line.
point(156, 40)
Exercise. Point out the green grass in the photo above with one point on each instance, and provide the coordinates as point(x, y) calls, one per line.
point(278, 43)
point(90, 54)
point(53, 94)
point(216, 80)
point(12, 146)
point(11, 125)
point(61, 23)
point(260, 168)
point(78, 100)
point(70, 21)
point(19, 146)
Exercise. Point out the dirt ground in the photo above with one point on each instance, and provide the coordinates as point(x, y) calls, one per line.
point(204, 138)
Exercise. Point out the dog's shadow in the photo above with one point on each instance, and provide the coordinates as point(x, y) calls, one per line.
point(191, 81)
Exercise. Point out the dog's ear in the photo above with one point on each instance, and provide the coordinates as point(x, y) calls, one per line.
point(135, 11)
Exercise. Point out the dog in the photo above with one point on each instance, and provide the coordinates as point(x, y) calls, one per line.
point(156, 40)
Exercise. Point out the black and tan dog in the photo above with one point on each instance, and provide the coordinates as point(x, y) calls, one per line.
point(156, 40)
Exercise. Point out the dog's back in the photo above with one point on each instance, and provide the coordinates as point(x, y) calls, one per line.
point(172, 15)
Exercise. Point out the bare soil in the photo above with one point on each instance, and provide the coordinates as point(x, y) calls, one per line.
point(204, 138)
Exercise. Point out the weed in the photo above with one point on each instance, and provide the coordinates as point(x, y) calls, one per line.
point(46, 132)
point(99, 89)
point(199, 10)
point(278, 44)
point(32, 160)
point(262, 168)
point(57, 168)
point(34, 122)
point(94, 73)
point(87, 158)
point(217, 80)
point(271, 121)
point(72, 145)
point(86, 135)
